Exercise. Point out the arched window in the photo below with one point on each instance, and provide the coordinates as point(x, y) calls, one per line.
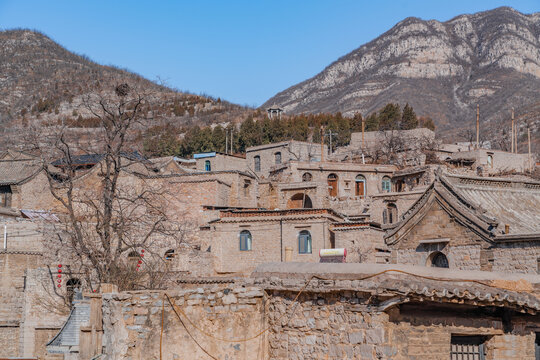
point(245, 240)
point(72, 285)
point(386, 184)
point(307, 177)
point(207, 165)
point(304, 242)
point(169, 254)
point(438, 259)
point(278, 158)
point(257, 163)
point(299, 201)
point(133, 258)
point(360, 186)
point(333, 185)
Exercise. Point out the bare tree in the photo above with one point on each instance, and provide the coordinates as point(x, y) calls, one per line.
point(115, 223)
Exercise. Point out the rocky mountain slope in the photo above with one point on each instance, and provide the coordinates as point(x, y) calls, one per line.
point(41, 83)
point(443, 69)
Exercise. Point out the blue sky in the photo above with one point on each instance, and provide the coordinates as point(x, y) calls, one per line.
point(241, 51)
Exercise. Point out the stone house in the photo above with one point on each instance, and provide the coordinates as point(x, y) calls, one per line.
point(471, 223)
point(487, 161)
point(32, 307)
point(24, 184)
point(243, 239)
point(265, 159)
point(340, 186)
point(216, 161)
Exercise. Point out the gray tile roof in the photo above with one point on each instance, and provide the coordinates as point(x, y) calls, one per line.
point(14, 172)
point(511, 202)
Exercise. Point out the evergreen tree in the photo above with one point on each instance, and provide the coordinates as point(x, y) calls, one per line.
point(372, 122)
point(408, 118)
point(389, 117)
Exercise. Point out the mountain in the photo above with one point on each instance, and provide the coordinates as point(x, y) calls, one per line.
point(443, 69)
point(41, 83)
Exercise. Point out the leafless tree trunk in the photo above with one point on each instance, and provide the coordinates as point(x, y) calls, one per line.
point(115, 225)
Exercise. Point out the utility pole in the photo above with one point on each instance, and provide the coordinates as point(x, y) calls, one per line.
point(232, 141)
point(477, 126)
point(363, 129)
point(516, 137)
point(512, 129)
point(330, 134)
point(529, 140)
point(322, 143)
point(226, 141)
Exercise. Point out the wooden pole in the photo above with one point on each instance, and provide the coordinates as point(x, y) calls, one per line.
point(512, 129)
point(529, 140)
point(226, 141)
point(322, 143)
point(232, 141)
point(516, 137)
point(363, 129)
point(477, 126)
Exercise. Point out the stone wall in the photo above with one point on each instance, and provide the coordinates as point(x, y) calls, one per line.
point(330, 319)
point(522, 257)
point(270, 237)
point(132, 323)
point(221, 162)
point(363, 243)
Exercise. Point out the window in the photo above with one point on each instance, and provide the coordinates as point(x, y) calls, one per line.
point(390, 214)
point(360, 188)
point(307, 177)
point(247, 185)
point(169, 254)
point(386, 184)
point(333, 185)
point(133, 258)
point(438, 259)
point(207, 165)
point(490, 160)
point(467, 347)
point(304, 242)
point(257, 165)
point(245, 240)
point(537, 347)
point(278, 158)
point(72, 285)
point(5, 196)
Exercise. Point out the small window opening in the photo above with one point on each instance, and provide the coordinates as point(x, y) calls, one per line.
point(438, 259)
point(245, 240)
point(169, 254)
point(304, 242)
point(207, 165)
point(386, 184)
point(467, 347)
point(257, 163)
point(278, 158)
point(307, 177)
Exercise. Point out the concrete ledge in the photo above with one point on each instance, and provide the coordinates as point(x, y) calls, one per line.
point(351, 271)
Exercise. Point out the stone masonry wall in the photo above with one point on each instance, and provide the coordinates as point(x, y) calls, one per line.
point(517, 257)
point(132, 323)
point(331, 319)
